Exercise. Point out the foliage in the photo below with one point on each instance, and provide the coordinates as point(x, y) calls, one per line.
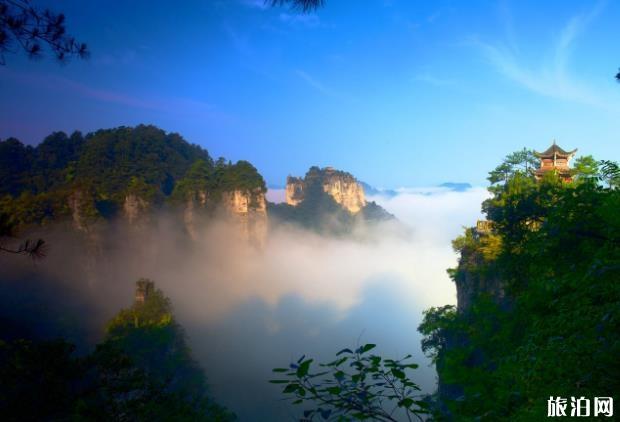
point(585, 168)
point(433, 326)
point(25, 28)
point(35, 249)
point(355, 386)
point(610, 173)
point(143, 370)
point(43, 373)
point(536, 317)
point(303, 5)
point(522, 162)
point(104, 167)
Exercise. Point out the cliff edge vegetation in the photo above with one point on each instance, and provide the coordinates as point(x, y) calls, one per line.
point(109, 172)
point(538, 296)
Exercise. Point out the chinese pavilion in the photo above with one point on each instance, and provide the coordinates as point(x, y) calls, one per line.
point(557, 160)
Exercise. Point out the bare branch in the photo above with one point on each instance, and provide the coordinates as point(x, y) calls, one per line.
point(36, 250)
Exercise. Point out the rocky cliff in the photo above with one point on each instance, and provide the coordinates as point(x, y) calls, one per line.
point(195, 205)
point(248, 211)
point(136, 210)
point(477, 274)
point(245, 210)
point(341, 186)
point(294, 190)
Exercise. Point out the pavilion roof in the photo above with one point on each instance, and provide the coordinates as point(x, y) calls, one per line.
point(555, 149)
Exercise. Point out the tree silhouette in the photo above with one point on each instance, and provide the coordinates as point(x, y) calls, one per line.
point(26, 28)
point(303, 5)
point(36, 249)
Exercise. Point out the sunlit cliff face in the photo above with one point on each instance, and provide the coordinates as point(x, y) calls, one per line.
point(341, 186)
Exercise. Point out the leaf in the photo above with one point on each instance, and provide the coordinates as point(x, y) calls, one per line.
point(280, 369)
point(301, 359)
point(341, 361)
point(325, 413)
point(398, 373)
point(367, 347)
point(334, 390)
point(291, 388)
point(278, 381)
point(302, 371)
point(344, 351)
point(406, 402)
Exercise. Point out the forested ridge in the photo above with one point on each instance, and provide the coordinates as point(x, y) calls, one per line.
point(106, 165)
point(539, 297)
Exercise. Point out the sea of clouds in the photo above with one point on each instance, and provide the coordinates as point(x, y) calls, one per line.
point(247, 310)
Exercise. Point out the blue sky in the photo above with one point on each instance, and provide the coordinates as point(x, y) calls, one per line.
point(399, 93)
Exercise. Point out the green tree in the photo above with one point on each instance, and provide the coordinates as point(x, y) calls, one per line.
point(536, 316)
point(148, 334)
point(356, 385)
point(143, 370)
point(586, 168)
point(610, 173)
point(523, 162)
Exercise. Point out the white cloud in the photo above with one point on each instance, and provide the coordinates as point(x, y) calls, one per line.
point(550, 78)
point(426, 77)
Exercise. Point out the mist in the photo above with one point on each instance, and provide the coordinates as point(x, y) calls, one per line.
point(247, 310)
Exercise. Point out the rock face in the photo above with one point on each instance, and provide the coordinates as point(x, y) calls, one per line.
point(477, 273)
point(245, 210)
point(77, 205)
point(135, 210)
point(191, 212)
point(84, 222)
point(144, 289)
point(294, 190)
point(248, 212)
point(341, 186)
point(470, 285)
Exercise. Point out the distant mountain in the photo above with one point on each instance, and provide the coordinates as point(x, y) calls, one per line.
point(456, 186)
point(327, 200)
point(372, 191)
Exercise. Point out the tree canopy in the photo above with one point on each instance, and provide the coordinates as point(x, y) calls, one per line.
point(539, 304)
point(104, 167)
point(28, 29)
point(142, 370)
